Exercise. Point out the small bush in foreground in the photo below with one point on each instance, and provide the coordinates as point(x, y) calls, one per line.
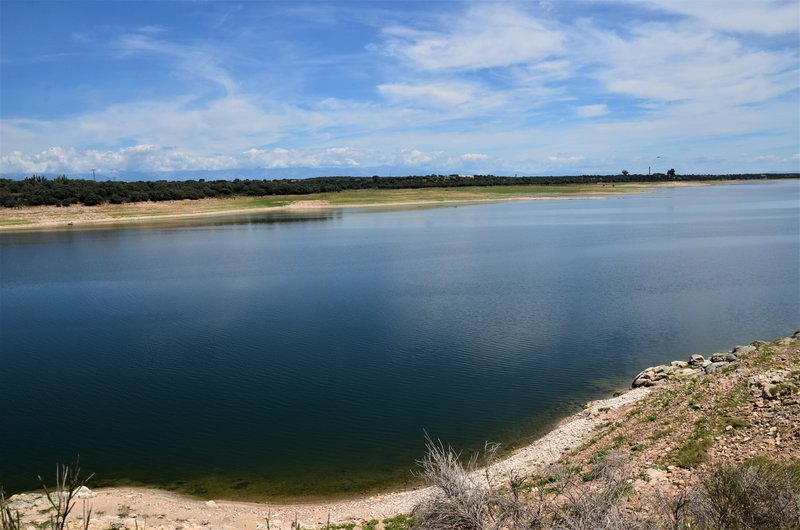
point(759, 494)
point(62, 500)
point(468, 499)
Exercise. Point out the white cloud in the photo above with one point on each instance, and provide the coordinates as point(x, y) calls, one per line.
point(671, 63)
point(489, 82)
point(487, 36)
point(135, 158)
point(280, 157)
point(591, 111)
point(153, 158)
point(415, 157)
point(565, 159)
point(748, 16)
point(433, 94)
point(195, 61)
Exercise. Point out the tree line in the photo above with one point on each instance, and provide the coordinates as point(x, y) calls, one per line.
point(62, 191)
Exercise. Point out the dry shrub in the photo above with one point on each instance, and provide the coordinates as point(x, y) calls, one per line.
point(757, 494)
point(468, 500)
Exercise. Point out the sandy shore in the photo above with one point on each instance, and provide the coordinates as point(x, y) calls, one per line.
point(136, 507)
point(76, 216)
point(37, 218)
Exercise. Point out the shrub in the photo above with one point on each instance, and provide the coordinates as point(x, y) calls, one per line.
point(757, 494)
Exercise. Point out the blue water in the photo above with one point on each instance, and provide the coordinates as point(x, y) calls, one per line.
point(306, 354)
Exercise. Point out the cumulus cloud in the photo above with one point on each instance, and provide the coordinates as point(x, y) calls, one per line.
point(153, 158)
point(148, 158)
point(280, 157)
point(474, 157)
point(565, 159)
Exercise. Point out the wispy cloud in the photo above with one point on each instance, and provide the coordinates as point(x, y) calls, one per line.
point(592, 111)
point(435, 94)
point(673, 62)
point(472, 86)
point(198, 61)
point(486, 36)
point(768, 17)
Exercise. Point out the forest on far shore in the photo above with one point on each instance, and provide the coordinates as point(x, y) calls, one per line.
point(62, 191)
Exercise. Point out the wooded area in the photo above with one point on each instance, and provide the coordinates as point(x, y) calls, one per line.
point(63, 191)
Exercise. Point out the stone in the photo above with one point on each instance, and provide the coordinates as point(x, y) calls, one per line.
point(211, 504)
point(745, 349)
point(715, 367)
point(653, 474)
point(696, 360)
point(85, 493)
point(723, 357)
point(679, 364)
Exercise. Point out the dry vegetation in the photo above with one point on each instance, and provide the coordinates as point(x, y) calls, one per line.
point(718, 451)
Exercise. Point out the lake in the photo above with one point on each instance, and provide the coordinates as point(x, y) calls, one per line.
point(307, 353)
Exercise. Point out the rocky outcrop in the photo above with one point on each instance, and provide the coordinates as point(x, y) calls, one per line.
point(695, 366)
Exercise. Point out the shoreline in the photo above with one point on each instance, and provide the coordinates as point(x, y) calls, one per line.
point(77, 217)
point(579, 435)
point(154, 505)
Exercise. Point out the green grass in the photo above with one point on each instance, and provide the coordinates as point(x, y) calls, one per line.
point(398, 522)
point(355, 198)
point(372, 524)
point(14, 222)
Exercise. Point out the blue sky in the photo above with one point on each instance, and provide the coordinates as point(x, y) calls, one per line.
point(397, 87)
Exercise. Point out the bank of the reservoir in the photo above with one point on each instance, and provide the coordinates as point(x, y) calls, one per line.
point(108, 215)
point(749, 408)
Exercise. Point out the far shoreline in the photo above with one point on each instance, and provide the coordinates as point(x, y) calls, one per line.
point(149, 214)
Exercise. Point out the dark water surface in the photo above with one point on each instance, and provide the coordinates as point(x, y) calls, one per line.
point(267, 357)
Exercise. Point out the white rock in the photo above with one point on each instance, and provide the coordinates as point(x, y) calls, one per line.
point(85, 493)
point(211, 504)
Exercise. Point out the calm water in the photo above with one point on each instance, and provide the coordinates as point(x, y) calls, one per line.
point(307, 357)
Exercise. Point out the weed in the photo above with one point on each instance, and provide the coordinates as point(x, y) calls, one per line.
point(398, 522)
point(62, 498)
point(651, 417)
point(692, 452)
point(635, 412)
point(8, 520)
point(372, 524)
point(660, 434)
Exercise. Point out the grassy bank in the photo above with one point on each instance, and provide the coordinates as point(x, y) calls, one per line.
point(55, 217)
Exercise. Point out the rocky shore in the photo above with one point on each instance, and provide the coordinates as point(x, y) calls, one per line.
point(696, 365)
point(679, 418)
